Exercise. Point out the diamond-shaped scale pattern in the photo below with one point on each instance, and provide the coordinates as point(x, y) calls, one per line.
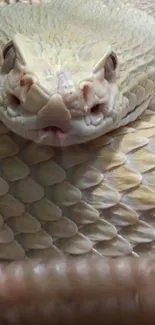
point(97, 198)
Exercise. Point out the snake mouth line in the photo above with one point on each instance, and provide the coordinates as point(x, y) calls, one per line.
point(52, 129)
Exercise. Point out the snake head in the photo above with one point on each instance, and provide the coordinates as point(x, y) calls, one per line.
point(57, 96)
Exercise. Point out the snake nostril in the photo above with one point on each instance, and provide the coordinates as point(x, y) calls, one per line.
point(13, 100)
point(96, 109)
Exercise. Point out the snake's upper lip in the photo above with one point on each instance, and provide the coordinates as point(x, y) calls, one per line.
point(48, 126)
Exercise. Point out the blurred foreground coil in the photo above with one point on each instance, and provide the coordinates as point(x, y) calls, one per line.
point(79, 291)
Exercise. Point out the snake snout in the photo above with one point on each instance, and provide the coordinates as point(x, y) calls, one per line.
point(55, 113)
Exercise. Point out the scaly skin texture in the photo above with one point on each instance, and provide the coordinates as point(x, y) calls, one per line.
point(145, 5)
point(129, 284)
point(97, 198)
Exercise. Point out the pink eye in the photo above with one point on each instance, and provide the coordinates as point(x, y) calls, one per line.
point(26, 82)
point(22, 83)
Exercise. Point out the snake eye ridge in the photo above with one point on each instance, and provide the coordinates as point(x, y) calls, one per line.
point(9, 57)
point(6, 48)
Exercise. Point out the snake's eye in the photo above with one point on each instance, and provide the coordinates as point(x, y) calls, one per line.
point(110, 66)
point(9, 57)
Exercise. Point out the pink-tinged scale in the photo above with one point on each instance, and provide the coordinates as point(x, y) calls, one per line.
point(102, 197)
point(99, 230)
point(123, 178)
point(142, 160)
point(128, 142)
point(121, 215)
point(141, 232)
point(148, 132)
point(115, 247)
point(141, 198)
